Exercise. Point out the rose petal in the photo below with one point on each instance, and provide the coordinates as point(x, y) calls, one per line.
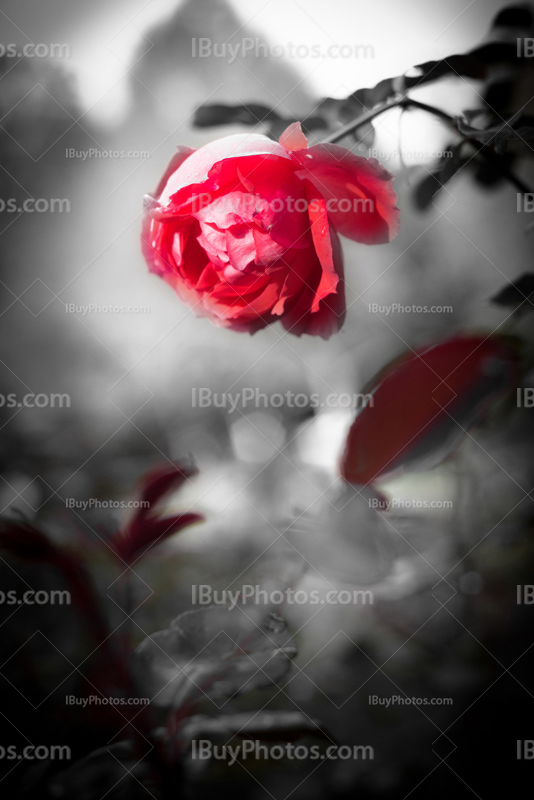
point(176, 161)
point(293, 138)
point(232, 208)
point(267, 250)
point(300, 267)
point(214, 243)
point(330, 315)
point(278, 194)
point(240, 246)
point(157, 243)
point(198, 165)
point(362, 203)
point(244, 307)
point(323, 245)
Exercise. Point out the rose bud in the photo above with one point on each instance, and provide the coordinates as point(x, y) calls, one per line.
point(424, 403)
point(245, 229)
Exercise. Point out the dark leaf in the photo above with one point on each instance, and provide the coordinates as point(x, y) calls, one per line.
point(519, 294)
point(514, 17)
point(465, 66)
point(206, 116)
point(500, 49)
point(490, 174)
point(494, 54)
point(426, 190)
point(498, 135)
point(498, 96)
point(432, 183)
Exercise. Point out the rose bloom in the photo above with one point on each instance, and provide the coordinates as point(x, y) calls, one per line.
point(245, 229)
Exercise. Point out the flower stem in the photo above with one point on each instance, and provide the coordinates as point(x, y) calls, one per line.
point(407, 102)
point(361, 120)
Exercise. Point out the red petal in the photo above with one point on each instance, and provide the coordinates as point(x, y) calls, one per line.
point(240, 246)
point(293, 138)
point(243, 307)
point(323, 245)
point(424, 402)
point(233, 208)
point(213, 241)
point(359, 191)
point(268, 251)
point(155, 245)
point(197, 167)
point(330, 315)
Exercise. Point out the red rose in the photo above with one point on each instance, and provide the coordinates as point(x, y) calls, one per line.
point(245, 228)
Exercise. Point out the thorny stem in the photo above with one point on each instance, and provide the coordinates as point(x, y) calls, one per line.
point(407, 102)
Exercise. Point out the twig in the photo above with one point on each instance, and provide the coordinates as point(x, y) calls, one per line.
point(407, 102)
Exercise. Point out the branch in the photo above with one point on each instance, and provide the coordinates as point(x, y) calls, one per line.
point(361, 120)
point(407, 102)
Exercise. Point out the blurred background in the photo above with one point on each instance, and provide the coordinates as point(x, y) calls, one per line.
point(82, 317)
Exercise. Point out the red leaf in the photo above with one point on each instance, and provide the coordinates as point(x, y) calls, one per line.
point(148, 532)
point(23, 540)
point(147, 528)
point(423, 404)
point(160, 481)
